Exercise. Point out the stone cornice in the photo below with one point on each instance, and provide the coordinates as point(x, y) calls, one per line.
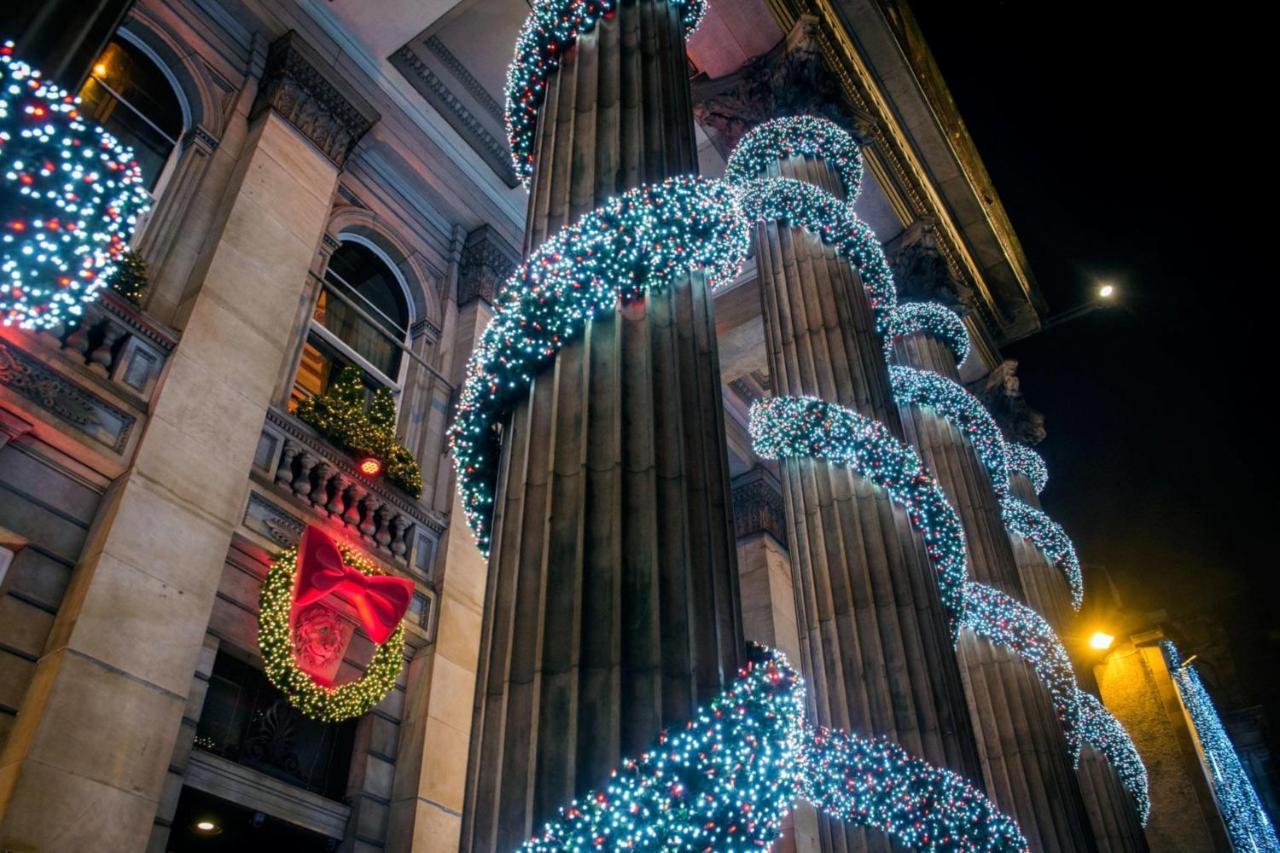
point(318, 104)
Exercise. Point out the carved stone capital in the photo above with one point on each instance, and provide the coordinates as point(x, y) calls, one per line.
point(1001, 392)
point(789, 80)
point(921, 270)
point(757, 505)
point(318, 104)
point(486, 262)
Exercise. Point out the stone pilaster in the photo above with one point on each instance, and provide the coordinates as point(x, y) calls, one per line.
point(1025, 759)
point(875, 647)
point(97, 728)
point(611, 607)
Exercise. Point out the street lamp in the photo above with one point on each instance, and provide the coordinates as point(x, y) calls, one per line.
point(1101, 640)
point(1104, 296)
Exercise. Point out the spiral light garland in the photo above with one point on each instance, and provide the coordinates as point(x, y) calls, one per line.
point(932, 319)
point(1246, 820)
point(726, 780)
point(798, 136)
point(1025, 461)
point(70, 193)
point(1104, 733)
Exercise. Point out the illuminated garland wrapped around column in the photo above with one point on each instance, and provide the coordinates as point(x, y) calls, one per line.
point(800, 205)
point(636, 243)
point(959, 408)
point(871, 782)
point(1247, 823)
point(726, 780)
point(275, 640)
point(70, 197)
point(797, 136)
point(1104, 733)
point(1025, 461)
point(806, 427)
point(1047, 535)
point(551, 28)
point(992, 614)
point(933, 319)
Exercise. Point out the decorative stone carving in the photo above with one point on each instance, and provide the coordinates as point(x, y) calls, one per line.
point(788, 80)
point(1001, 392)
point(757, 505)
point(66, 401)
point(486, 263)
point(922, 273)
point(323, 109)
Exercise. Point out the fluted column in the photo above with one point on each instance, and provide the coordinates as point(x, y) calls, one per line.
point(1112, 813)
point(611, 604)
point(875, 645)
point(1024, 753)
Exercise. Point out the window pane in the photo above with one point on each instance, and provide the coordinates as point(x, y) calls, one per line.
point(370, 341)
point(129, 96)
point(313, 374)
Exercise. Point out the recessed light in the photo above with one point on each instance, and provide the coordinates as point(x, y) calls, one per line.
point(208, 827)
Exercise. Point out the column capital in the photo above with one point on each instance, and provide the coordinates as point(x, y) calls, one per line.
point(921, 270)
point(1001, 392)
point(311, 96)
point(757, 505)
point(486, 262)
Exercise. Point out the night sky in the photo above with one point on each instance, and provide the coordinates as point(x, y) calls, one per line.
point(1125, 144)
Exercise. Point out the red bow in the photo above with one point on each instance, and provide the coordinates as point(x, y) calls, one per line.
point(380, 600)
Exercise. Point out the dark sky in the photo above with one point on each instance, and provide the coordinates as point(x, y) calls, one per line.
point(1126, 142)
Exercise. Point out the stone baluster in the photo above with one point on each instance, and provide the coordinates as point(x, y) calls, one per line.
point(319, 495)
point(102, 355)
point(398, 526)
point(336, 503)
point(369, 524)
point(1026, 761)
point(875, 645)
point(302, 479)
point(78, 338)
point(284, 469)
point(355, 497)
point(613, 493)
point(383, 536)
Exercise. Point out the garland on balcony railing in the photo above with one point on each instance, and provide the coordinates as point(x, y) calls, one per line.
point(1025, 461)
point(932, 319)
point(340, 415)
point(1104, 733)
point(1246, 820)
point(551, 28)
point(1006, 622)
point(959, 408)
point(636, 243)
point(809, 428)
point(1048, 536)
point(797, 136)
point(70, 197)
point(726, 779)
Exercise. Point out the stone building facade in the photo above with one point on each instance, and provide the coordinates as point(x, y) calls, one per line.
point(332, 189)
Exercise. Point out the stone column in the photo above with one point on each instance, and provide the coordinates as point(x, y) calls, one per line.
point(85, 765)
point(1025, 757)
point(1112, 813)
point(611, 608)
point(876, 650)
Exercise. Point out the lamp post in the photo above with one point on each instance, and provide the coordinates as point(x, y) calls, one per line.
point(1104, 297)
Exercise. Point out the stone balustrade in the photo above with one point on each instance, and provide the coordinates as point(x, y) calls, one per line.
point(301, 470)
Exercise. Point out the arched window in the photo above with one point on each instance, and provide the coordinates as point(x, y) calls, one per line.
point(129, 95)
point(361, 318)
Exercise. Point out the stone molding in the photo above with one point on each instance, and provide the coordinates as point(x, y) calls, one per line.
point(258, 791)
point(322, 108)
point(468, 80)
point(485, 265)
point(758, 505)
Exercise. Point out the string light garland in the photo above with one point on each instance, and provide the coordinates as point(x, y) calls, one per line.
point(1049, 537)
point(1025, 461)
point(275, 639)
point(798, 136)
point(805, 427)
point(636, 243)
point(1104, 733)
point(932, 319)
point(801, 205)
point(1006, 622)
point(70, 193)
point(1247, 823)
point(552, 28)
point(959, 408)
point(876, 783)
point(726, 780)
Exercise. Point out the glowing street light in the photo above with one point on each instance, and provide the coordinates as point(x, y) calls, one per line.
point(1106, 291)
point(1101, 641)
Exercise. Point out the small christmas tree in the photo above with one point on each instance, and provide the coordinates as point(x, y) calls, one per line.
point(130, 279)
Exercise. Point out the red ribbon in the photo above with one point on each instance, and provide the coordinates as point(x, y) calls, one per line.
point(380, 600)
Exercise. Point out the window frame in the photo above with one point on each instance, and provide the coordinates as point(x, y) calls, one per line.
point(394, 384)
